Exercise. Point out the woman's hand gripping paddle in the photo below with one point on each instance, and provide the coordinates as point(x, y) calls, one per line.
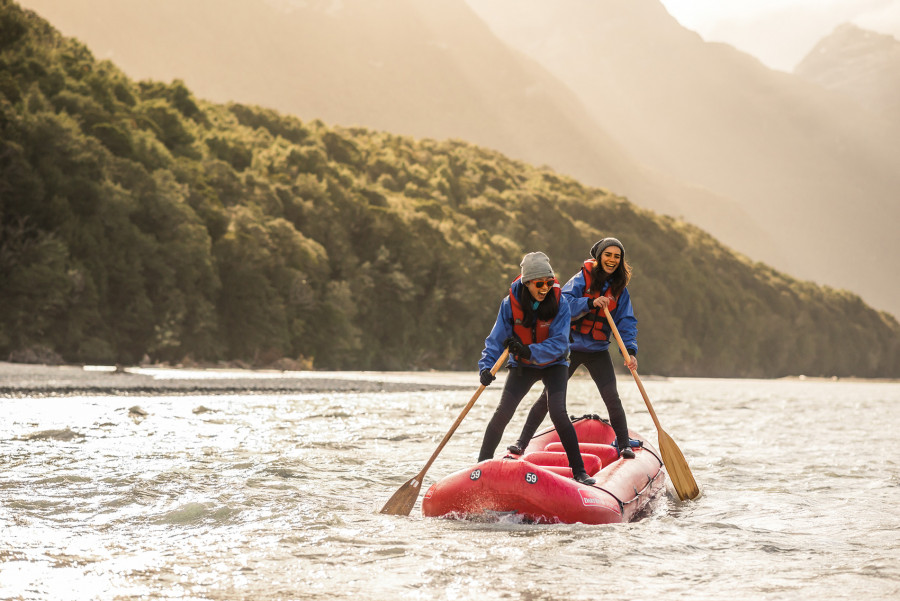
point(673, 459)
point(403, 500)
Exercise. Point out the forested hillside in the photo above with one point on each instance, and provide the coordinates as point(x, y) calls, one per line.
point(136, 219)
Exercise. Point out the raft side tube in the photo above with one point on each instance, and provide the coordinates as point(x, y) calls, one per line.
point(535, 493)
point(518, 484)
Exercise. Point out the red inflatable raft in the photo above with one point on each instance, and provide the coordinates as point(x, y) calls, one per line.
point(539, 487)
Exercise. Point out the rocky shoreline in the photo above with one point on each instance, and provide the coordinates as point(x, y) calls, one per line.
point(28, 380)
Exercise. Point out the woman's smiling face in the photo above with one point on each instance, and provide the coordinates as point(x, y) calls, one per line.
point(610, 258)
point(539, 288)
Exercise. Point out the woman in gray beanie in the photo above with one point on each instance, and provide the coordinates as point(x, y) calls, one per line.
point(600, 283)
point(534, 325)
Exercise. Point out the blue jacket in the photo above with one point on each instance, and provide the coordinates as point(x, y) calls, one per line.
point(553, 351)
point(622, 315)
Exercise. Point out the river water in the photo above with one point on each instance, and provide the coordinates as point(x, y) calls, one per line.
point(276, 496)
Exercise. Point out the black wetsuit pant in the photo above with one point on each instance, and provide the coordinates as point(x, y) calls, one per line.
point(600, 366)
point(518, 383)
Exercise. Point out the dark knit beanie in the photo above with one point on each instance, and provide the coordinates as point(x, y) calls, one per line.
point(598, 247)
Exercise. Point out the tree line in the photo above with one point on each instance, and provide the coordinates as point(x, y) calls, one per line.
point(139, 222)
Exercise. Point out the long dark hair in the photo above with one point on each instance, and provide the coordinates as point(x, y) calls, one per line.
point(617, 279)
point(545, 311)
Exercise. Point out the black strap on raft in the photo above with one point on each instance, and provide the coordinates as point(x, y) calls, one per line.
point(618, 500)
point(588, 416)
point(638, 493)
point(573, 419)
point(647, 450)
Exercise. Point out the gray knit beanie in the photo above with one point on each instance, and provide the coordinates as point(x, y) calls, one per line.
point(598, 247)
point(536, 265)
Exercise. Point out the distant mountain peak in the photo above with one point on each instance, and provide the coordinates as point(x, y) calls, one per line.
point(850, 38)
point(861, 64)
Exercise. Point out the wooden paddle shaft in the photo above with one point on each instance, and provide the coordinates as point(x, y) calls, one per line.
point(462, 415)
point(672, 457)
point(640, 385)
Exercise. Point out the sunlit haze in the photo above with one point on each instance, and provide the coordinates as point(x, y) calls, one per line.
point(780, 32)
point(619, 94)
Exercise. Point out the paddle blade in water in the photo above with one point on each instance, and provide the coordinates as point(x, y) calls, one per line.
point(402, 502)
point(677, 467)
point(679, 472)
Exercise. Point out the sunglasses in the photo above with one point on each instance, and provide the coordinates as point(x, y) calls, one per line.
point(540, 284)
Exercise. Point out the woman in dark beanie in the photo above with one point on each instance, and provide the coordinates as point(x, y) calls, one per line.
point(534, 325)
point(600, 283)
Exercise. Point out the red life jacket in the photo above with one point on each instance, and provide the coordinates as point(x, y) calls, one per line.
point(594, 321)
point(540, 330)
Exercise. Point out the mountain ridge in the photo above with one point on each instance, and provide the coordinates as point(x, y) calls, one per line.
point(861, 64)
point(806, 163)
point(138, 220)
point(450, 78)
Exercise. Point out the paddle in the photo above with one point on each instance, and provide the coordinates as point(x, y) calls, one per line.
point(401, 503)
point(673, 459)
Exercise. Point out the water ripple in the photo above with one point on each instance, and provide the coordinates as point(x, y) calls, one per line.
point(277, 496)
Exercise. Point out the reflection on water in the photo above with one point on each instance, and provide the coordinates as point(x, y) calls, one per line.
point(277, 497)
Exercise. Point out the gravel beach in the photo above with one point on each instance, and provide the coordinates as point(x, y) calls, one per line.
point(27, 380)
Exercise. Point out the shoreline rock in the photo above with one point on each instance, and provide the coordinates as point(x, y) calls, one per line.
point(31, 380)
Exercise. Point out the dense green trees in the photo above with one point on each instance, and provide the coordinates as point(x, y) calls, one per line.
point(138, 220)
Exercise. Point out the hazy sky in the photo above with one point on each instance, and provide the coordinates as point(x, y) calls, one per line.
point(781, 32)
